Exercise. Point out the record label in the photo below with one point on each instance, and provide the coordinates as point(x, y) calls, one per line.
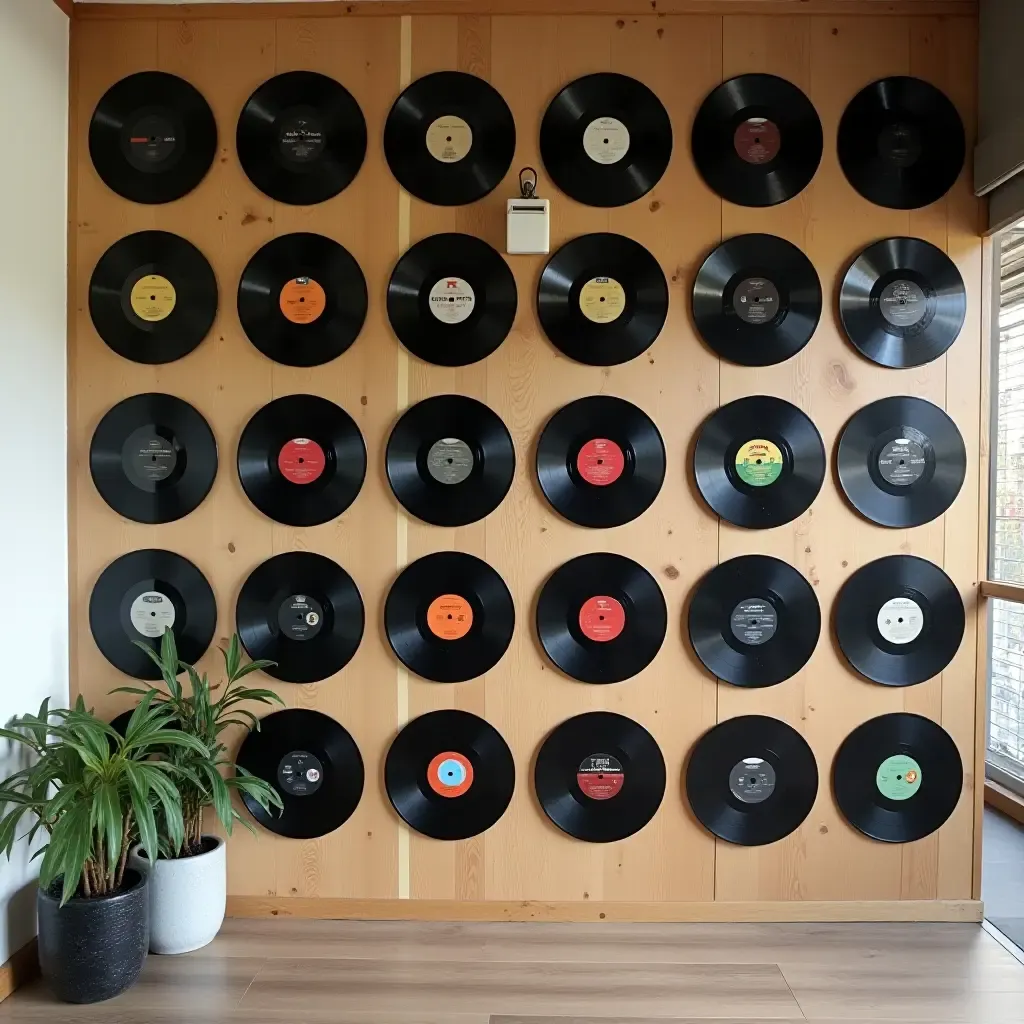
point(600, 776)
point(898, 777)
point(151, 141)
point(450, 617)
point(301, 460)
point(300, 617)
point(301, 137)
point(150, 457)
point(152, 298)
point(601, 462)
point(900, 620)
point(902, 462)
point(752, 780)
point(759, 462)
point(900, 143)
point(903, 303)
point(450, 774)
point(606, 140)
point(300, 773)
point(450, 461)
point(302, 300)
point(152, 613)
point(757, 140)
point(452, 300)
point(602, 300)
point(602, 619)
point(756, 300)
point(753, 621)
point(449, 139)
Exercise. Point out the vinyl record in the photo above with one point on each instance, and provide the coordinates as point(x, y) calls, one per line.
point(315, 766)
point(451, 299)
point(897, 777)
point(152, 137)
point(449, 617)
point(600, 777)
point(600, 461)
point(901, 461)
point(449, 775)
point(902, 302)
point(601, 618)
point(302, 300)
point(450, 460)
point(756, 300)
point(141, 594)
point(901, 143)
point(751, 780)
point(153, 458)
point(153, 297)
point(759, 462)
point(301, 138)
point(757, 140)
point(303, 612)
point(754, 621)
point(301, 460)
point(899, 620)
point(602, 299)
point(449, 139)
point(606, 140)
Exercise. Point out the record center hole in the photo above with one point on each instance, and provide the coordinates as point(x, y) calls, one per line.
point(899, 778)
point(152, 298)
point(753, 781)
point(602, 298)
point(451, 461)
point(899, 619)
point(449, 616)
point(447, 138)
point(153, 614)
point(759, 462)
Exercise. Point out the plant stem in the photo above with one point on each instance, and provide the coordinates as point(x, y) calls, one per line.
point(125, 831)
point(86, 888)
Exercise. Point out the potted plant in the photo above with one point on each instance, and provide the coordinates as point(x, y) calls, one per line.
point(92, 791)
point(188, 871)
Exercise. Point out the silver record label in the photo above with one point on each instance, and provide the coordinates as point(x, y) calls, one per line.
point(148, 457)
point(450, 461)
point(902, 303)
point(756, 300)
point(902, 462)
point(753, 621)
point(752, 780)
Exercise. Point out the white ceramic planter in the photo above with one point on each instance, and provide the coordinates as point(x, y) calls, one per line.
point(188, 897)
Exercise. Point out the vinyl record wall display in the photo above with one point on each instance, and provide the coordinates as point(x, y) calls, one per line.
point(606, 140)
point(602, 299)
point(449, 139)
point(153, 297)
point(301, 138)
point(153, 458)
point(152, 137)
point(141, 594)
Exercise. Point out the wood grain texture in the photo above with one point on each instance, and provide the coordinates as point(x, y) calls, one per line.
point(21, 968)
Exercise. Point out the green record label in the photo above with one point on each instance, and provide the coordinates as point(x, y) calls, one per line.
point(898, 777)
point(759, 462)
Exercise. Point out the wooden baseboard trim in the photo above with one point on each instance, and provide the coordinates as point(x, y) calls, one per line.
point(527, 910)
point(1004, 800)
point(20, 969)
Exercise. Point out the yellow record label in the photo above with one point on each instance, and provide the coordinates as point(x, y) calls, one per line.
point(759, 462)
point(153, 298)
point(449, 139)
point(602, 299)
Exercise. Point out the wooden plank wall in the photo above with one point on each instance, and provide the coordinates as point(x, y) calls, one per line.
point(678, 382)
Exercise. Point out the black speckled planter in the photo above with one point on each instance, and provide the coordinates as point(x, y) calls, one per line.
point(91, 950)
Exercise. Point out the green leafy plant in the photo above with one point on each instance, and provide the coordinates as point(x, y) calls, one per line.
point(92, 791)
point(205, 777)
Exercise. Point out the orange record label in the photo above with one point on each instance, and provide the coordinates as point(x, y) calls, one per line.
point(450, 774)
point(450, 617)
point(602, 619)
point(600, 462)
point(302, 300)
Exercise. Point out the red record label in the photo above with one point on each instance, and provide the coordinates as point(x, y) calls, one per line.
point(602, 619)
point(757, 140)
point(450, 774)
point(600, 776)
point(600, 462)
point(301, 460)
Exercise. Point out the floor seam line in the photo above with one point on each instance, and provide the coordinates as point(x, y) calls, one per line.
point(252, 981)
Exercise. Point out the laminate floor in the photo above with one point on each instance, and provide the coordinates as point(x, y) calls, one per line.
point(384, 972)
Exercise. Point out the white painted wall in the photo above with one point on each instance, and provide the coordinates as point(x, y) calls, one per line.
point(33, 407)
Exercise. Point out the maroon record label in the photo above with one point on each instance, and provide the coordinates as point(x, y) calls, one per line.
point(600, 776)
point(301, 460)
point(757, 140)
point(600, 462)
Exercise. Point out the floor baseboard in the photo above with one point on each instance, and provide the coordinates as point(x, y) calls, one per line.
point(20, 969)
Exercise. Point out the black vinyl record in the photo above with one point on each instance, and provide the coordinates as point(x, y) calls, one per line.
point(759, 462)
point(898, 777)
point(450, 460)
point(899, 620)
point(601, 618)
point(606, 139)
point(902, 302)
point(451, 299)
point(901, 461)
point(152, 137)
point(302, 300)
point(757, 140)
point(301, 138)
point(449, 774)
point(449, 139)
point(901, 143)
point(303, 612)
point(153, 297)
point(141, 594)
point(754, 621)
point(756, 300)
point(602, 299)
point(751, 780)
point(600, 461)
point(153, 458)
point(449, 617)
point(315, 766)
point(600, 777)
point(301, 460)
